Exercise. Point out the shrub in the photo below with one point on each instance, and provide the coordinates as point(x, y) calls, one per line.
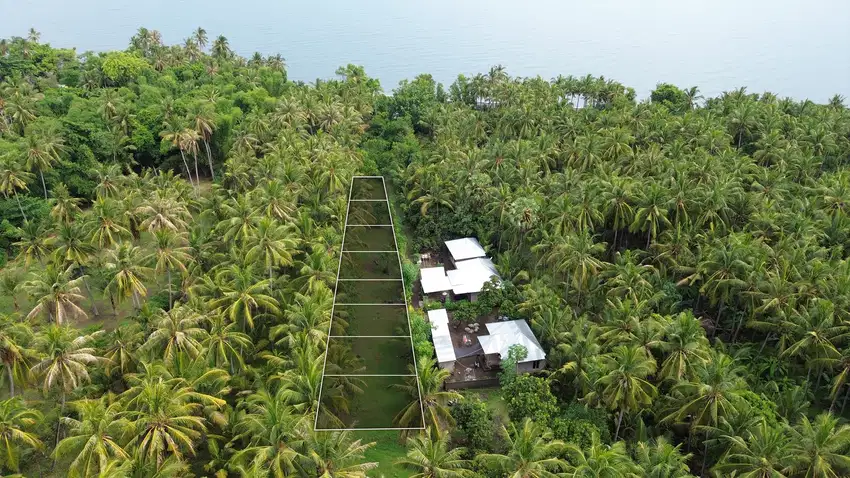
point(577, 423)
point(474, 424)
point(528, 396)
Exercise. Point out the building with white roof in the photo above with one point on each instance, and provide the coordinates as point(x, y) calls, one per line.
point(439, 320)
point(472, 270)
point(466, 248)
point(504, 335)
point(434, 279)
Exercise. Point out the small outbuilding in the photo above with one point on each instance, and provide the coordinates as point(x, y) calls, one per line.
point(442, 338)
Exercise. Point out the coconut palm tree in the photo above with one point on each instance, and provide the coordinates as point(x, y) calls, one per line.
point(15, 354)
point(433, 400)
point(16, 432)
point(41, 151)
point(685, 347)
point(272, 433)
point(34, 244)
point(121, 354)
point(94, 438)
point(713, 394)
point(624, 385)
point(429, 456)
point(106, 226)
point(176, 331)
point(764, 452)
point(273, 244)
point(335, 454)
point(173, 132)
point(125, 265)
point(819, 447)
point(55, 294)
point(73, 249)
point(661, 459)
point(601, 460)
point(66, 357)
point(224, 345)
point(200, 37)
point(242, 297)
point(164, 415)
point(171, 253)
point(13, 178)
point(532, 452)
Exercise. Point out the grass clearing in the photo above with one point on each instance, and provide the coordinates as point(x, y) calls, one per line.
point(369, 238)
point(369, 265)
point(373, 292)
point(369, 355)
point(367, 188)
point(370, 320)
point(369, 213)
point(376, 407)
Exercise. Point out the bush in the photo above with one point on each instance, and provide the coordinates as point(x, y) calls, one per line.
point(577, 423)
point(474, 424)
point(420, 330)
point(528, 396)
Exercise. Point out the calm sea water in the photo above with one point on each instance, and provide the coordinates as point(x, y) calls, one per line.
point(790, 47)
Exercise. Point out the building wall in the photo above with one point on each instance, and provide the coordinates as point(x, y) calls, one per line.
point(528, 367)
point(450, 366)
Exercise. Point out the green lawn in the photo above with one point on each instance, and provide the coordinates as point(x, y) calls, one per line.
point(388, 448)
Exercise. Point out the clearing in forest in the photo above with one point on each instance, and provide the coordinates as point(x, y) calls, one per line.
point(368, 377)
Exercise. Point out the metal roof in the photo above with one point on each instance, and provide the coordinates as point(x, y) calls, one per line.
point(471, 275)
point(440, 334)
point(434, 279)
point(466, 248)
point(503, 335)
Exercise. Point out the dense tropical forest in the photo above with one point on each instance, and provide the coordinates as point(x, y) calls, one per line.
point(171, 223)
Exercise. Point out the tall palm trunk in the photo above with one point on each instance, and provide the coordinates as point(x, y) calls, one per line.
point(11, 380)
point(209, 158)
point(88, 291)
point(188, 171)
point(197, 176)
point(43, 184)
point(619, 422)
point(18, 198)
point(170, 297)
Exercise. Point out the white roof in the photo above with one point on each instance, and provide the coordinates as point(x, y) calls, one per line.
point(434, 280)
point(471, 274)
point(440, 334)
point(466, 248)
point(513, 332)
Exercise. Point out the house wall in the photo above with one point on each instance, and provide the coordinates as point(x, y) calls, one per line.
point(450, 366)
point(528, 367)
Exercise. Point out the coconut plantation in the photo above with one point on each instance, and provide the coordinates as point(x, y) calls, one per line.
point(210, 270)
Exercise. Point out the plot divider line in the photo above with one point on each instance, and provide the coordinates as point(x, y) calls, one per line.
point(367, 200)
point(374, 252)
point(369, 336)
point(368, 225)
point(344, 303)
point(366, 177)
point(368, 280)
point(363, 429)
point(368, 375)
